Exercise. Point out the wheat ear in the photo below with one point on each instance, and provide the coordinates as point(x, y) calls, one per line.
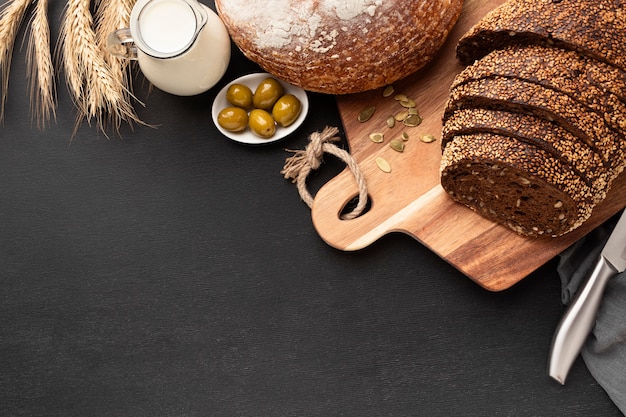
point(96, 92)
point(41, 69)
point(11, 18)
point(110, 16)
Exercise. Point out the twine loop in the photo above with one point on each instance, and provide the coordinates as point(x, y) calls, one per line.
point(298, 167)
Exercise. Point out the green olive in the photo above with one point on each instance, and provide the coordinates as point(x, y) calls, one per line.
point(233, 119)
point(239, 95)
point(262, 123)
point(286, 110)
point(267, 93)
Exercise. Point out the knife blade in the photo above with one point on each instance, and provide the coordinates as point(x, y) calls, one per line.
point(580, 317)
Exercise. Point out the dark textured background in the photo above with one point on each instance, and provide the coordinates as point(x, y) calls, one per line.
point(173, 272)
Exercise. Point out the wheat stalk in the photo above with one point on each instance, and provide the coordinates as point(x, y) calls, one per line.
point(41, 69)
point(110, 16)
point(11, 17)
point(95, 90)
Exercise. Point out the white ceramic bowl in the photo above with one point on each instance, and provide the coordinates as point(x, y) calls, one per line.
point(246, 136)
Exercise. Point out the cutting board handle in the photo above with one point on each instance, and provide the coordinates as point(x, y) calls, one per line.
point(334, 199)
point(386, 212)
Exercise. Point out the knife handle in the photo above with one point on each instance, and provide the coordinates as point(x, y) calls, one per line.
point(578, 321)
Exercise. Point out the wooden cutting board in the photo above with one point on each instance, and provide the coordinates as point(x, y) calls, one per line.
point(410, 199)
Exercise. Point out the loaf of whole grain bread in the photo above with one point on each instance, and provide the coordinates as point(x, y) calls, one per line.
point(336, 46)
point(534, 131)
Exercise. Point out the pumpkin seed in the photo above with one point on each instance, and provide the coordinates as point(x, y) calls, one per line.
point(412, 120)
point(366, 114)
point(391, 122)
point(413, 110)
point(427, 138)
point(408, 103)
point(402, 115)
point(377, 137)
point(383, 164)
point(397, 145)
point(400, 97)
point(388, 91)
point(405, 136)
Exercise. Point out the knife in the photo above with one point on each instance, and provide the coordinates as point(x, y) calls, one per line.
point(580, 317)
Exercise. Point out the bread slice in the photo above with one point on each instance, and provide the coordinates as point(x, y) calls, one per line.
point(524, 97)
point(534, 131)
point(594, 28)
point(541, 62)
point(551, 68)
point(515, 184)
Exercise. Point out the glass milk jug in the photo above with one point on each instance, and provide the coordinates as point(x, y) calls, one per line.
point(182, 46)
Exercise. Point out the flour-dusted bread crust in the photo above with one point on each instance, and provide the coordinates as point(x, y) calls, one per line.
point(339, 46)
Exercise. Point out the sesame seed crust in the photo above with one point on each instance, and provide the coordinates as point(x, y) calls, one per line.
point(517, 185)
point(552, 68)
point(595, 28)
point(534, 131)
point(517, 95)
point(570, 63)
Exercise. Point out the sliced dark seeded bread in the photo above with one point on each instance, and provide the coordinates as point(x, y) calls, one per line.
point(546, 135)
point(545, 67)
point(534, 132)
point(515, 184)
point(516, 95)
point(595, 28)
point(540, 63)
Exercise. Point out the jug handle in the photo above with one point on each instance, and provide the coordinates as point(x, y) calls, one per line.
point(120, 43)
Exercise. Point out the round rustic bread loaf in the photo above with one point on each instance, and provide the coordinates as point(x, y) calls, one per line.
point(339, 46)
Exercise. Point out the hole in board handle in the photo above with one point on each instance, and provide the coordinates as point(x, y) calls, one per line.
point(351, 204)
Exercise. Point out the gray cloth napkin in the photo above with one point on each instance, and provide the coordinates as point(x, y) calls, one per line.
point(605, 350)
